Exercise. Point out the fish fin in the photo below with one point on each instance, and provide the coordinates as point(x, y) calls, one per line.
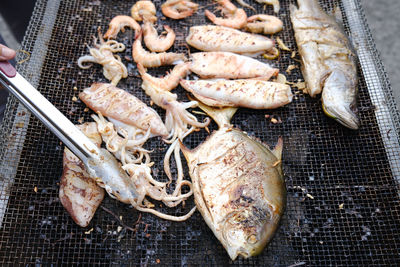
point(277, 151)
point(222, 116)
point(337, 14)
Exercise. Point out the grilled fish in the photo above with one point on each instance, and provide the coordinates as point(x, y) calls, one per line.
point(238, 186)
point(229, 66)
point(328, 61)
point(219, 38)
point(253, 94)
point(79, 194)
point(122, 106)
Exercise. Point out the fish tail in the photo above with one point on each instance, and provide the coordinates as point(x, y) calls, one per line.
point(309, 5)
point(222, 116)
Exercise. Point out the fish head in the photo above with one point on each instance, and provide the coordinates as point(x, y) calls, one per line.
point(342, 114)
point(339, 99)
point(246, 232)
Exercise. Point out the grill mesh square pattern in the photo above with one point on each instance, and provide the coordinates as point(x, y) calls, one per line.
point(343, 204)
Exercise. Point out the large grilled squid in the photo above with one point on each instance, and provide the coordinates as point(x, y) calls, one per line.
point(79, 193)
point(122, 106)
point(247, 93)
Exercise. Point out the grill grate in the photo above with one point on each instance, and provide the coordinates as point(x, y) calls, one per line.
point(343, 201)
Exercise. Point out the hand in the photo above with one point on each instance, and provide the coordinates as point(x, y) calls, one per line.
point(6, 53)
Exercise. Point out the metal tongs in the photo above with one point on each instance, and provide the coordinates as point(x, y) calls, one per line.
point(99, 163)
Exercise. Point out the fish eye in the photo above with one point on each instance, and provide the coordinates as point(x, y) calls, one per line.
point(252, 239)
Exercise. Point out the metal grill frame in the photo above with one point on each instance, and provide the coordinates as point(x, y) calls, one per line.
point(15, 129)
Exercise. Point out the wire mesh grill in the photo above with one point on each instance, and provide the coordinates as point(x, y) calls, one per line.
point(343, 201)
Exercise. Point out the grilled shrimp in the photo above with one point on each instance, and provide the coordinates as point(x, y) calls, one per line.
point(274, 3)
point(170, 81)
point(235, 17)
point(151, 60)
point(154, 42)
point(122, 106)
point(113, 68)
point(144, 11)
point(178, 9)
point(119, 23)
point(265, 24)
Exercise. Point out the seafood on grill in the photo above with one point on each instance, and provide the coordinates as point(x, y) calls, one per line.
point(155, 42)
point(238, 186)
point(265, 24)
point(219, 38)
point(228, 65)
point(144, 11)
point(178, 9)
point(122, 106)
point(275, 3)
point(328, 61)
point(234, 17)
point(255, 94)
point(126, 142)
point(179, 122)
point(103, 54)
point(119, 23)
point(178, 119)
point(171, 80)
point(79, 193)
point(152, 60)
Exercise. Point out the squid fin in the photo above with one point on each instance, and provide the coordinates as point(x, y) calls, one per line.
point(222, 116)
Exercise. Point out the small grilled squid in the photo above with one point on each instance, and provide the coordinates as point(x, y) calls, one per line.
point(126, 142)
point(234, 17)
point(79, 194)
point(178, 119)
point(253, 94)
point(229, 66)
point(151, 60)
point(155, 42)
point(219, 38)
point(178, 9)
point(122, 106)
point(113, 68)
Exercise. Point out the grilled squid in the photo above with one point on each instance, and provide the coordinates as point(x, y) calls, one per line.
point(126, 143)
point(79, 193)
point(179, 121)
point(120, 105)
point(103, 54)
